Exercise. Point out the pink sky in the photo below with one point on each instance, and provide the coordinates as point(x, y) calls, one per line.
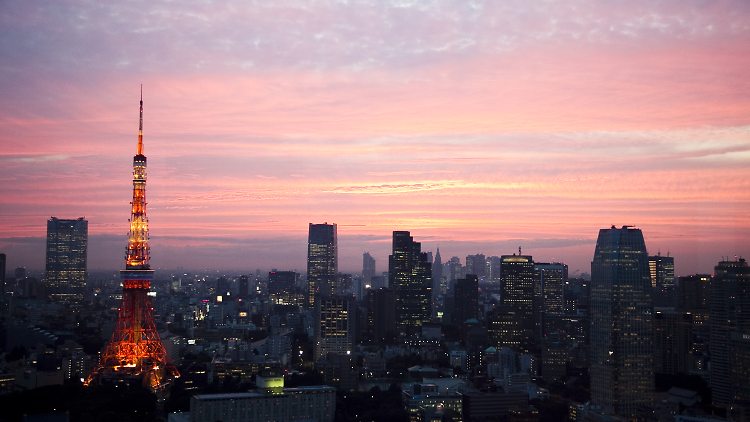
point(478, 126)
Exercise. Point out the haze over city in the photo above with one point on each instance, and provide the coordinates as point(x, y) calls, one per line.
point(477, 126)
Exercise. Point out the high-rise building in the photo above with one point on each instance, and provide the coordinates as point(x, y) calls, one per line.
point(2, 274)
point(549, 280)
point(622, 339)
point(493, 268)
point(454, 271)
point(517, 272)
point(244, 286)
point(65, 278)
point(410, 276)
point(476, 264)
point(694, 295)
point(662, 280)
point(19, 273)
point(381, 313)
point(661, 269)
point(368, 269)
point(335, 325)
point(502, 328)
point(322, 261)
point(730, 315)
point(437, 275)
point(466, 299)
point(672, 341)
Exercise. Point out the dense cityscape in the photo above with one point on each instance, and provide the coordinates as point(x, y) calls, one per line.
point(479, 339)
point(375, 210)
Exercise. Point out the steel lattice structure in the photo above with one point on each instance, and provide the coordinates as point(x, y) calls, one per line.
point(135, 351)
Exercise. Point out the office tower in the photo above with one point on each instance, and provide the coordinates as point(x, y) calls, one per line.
point(466, 299)
point(282, 288)
point(662, 280)
point(554, 356)
point(335, 325)
point(517, 288)
point(493, 270)
point(694, 295)
point(65, 277)
point(437, 275)
point(2, 274)
point(410, 276)
point(622, 374)
point(135, 353)
point(381, 313)
point(672, 341)
point(549, 280)
point(661, 269)
point(19, 273)
point(502, 328)
point(222, 287)
point(244, 286)
point(282, 281)
point(476, 264)
point(322, 261)
point(730, 315)
point(368, 269)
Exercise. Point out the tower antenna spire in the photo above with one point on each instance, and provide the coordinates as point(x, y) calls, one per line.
point(139, 151)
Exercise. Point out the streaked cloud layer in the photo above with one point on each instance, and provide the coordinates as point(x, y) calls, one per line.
point(479, 126)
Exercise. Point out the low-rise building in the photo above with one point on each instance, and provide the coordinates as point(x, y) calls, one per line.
point(269, 402)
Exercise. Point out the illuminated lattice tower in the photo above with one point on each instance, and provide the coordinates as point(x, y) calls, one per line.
point(135, 352)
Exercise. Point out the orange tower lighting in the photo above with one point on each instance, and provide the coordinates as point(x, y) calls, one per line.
point(135, 352)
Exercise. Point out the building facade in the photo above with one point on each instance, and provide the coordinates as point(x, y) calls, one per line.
point(65, 276)
point(335, 325)
point(381, 314)
point(549, 280)
point(622, 374)
point(410, 276)
point(368, 269)
point(322, 261)
point(466, 299)
point(730, 315)
point(266, 404)
point(517, 273)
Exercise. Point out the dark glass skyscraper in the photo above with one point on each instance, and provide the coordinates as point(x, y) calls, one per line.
point(2, 274)
point(368, 268)
point(466, 299)
point(322, 261)
point(730, 316)
point(410, 276)
point(622, 374)
point(548, 303)
point(65, 277)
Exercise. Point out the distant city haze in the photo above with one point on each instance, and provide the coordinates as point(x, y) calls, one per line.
point(476, 127)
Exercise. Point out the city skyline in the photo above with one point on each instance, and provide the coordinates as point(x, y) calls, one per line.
point(478, 128)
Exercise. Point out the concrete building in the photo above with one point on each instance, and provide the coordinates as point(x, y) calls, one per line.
point(335, 325)
point(269, 402)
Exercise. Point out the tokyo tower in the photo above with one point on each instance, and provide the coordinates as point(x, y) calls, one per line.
point(135, 353)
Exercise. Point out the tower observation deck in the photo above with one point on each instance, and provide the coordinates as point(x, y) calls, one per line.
point(135, 353)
